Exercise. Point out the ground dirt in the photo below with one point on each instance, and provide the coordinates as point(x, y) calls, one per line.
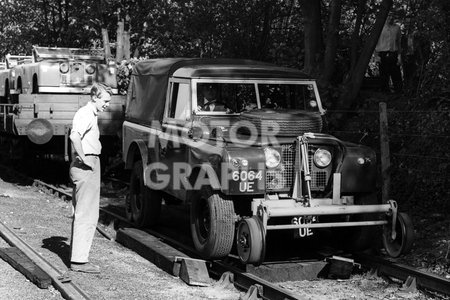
point(43, 221)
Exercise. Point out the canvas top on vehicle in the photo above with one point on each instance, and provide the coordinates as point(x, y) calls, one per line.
point(146, 100)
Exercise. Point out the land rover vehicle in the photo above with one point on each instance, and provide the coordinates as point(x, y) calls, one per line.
point(63, 70)
point(254, 161)
point(6, 74)
point(41, 94)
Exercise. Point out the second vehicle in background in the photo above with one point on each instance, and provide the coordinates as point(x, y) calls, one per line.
point(63, 70)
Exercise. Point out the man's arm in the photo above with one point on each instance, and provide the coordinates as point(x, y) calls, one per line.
point(76, 142)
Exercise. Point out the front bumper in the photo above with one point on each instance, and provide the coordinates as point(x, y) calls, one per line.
point(268, 208)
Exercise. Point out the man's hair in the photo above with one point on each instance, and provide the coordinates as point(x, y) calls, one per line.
point(99, 88)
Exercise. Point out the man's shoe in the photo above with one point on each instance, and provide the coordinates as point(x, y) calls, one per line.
point(85, 268)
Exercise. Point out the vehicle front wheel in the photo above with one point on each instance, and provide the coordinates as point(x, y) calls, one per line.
point(143, 205)
point(212, 224)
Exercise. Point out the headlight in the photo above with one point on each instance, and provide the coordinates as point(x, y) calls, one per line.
point(273, 157)
point(322, 158)
point(64, 67)
point(90, 69)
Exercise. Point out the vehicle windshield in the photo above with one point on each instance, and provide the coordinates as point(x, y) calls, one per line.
point(230, 98)
point(41, 53)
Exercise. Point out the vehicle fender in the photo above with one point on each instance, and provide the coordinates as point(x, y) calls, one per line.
point(136, 151)
point(357, 177)
point(199, 171)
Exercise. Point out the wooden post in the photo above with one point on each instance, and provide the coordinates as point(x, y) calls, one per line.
point(119, 41)
point(106, 46)
point(385, 158)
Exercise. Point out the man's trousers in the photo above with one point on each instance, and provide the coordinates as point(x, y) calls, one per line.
point(389, 69)
point(86, 202)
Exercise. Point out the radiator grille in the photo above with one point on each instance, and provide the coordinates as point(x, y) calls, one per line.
point(282, 178)
point(77, 73)
point(318, 177)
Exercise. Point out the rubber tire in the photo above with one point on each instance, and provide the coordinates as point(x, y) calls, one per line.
point(289, 122)
point(405, 233)
point(212, 224)
point(35, 87)
point(6, 95)
point(363, 237)
point(143, 205)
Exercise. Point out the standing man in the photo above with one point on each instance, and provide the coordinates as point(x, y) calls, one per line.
point(85, 174)
point(388, 50)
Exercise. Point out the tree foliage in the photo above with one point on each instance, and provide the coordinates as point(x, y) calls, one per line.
point(332, 40)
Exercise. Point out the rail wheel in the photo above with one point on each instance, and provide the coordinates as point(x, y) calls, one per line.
point(404, 236)
point(143, 205)
point(212, 224)
point(250, 241)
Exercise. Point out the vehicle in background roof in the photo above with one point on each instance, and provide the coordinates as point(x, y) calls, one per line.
point(241, 142)
point(63, 70)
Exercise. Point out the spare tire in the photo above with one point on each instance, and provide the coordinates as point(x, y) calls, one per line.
point(283, 122)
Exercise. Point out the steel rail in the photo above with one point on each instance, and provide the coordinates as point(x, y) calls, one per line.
point(242, 280)
point(424, 280)
point(268, 290)
point(68, 290)
point(245, 281)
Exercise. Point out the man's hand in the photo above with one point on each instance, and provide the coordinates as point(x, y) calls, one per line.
point(87, 162)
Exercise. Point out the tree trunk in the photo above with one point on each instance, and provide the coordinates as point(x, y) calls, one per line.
point(104, 25)
point(313, 36)
point(265, 35)
point(106, 46)
point(119, 42)
point(126, 37)
point(353, 84)
point(46, 20)
point(332, 41)
point(126, 45)
point(355, 41)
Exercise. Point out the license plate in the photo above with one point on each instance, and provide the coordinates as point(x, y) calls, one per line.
point(303, 232)
point(247, 181)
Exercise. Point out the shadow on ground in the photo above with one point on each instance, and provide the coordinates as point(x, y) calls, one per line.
point(59, 246)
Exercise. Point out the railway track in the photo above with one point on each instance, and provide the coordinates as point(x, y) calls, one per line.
point(60, 281)
point(228, 271)
point(256, 287)
point(245, 281)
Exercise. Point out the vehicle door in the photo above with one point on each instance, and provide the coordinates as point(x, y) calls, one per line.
point(173, 151)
